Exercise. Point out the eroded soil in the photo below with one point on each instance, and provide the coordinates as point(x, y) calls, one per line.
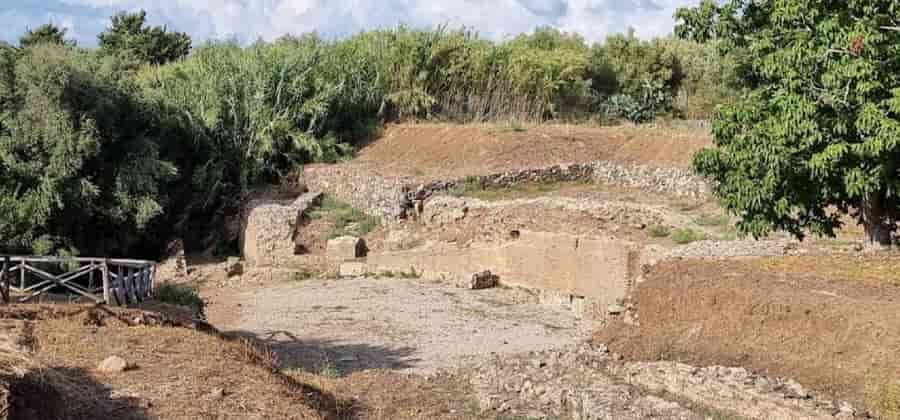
point(831, 322)
point(439, 151)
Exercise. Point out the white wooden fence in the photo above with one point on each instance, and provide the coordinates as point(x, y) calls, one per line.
point(110, 281)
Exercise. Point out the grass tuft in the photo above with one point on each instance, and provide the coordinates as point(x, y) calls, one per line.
point(685, 236)
point(713, 220)
point(347, 219)
point(659, 231)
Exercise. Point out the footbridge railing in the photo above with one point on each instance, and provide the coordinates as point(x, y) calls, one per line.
point(101, 280)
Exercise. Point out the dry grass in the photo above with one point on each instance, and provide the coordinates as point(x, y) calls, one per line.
point(473, 188)
point(883, 396)
point(178, 372)
point(875, 269)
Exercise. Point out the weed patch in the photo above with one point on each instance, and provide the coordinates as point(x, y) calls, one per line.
point(347, 219)
point(475, 188)
point(659, 231)
point(181, 295)
point(883, 396)
point(685, 236)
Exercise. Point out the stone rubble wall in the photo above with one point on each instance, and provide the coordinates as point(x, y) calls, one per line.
point(393, 198)
point(360, 187)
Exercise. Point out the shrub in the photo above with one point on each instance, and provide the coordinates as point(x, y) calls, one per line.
point(687, 235)
point(660, 231)
point(181, 295)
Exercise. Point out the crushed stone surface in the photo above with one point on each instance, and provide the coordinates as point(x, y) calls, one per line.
point(349, 325)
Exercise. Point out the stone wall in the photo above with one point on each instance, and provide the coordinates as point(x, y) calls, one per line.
point(357, 185)
point(392, 198)
point(598, 269)
point(268, 229)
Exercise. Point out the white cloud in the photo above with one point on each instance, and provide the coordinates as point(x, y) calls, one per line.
point(268, 19)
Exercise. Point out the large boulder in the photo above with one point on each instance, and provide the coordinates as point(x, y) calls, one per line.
point(269, 227)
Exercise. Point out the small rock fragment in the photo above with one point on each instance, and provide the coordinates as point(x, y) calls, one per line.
point(234, 267)
point(482, 280)
point(113, 364)
point(615, 309)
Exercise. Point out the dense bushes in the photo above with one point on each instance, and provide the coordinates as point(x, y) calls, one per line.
point(115, 150)
point(79, 156)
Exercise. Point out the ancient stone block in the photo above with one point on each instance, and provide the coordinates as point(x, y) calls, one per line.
point(268, 228)
point(346, 248)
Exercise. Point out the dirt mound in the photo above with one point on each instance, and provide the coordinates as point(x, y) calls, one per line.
point(830, 322)
point(453, 151)
point(177, 372)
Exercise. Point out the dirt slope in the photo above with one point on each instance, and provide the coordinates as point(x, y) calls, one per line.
point(830, 322)
point(438, 150)
point(178, 373)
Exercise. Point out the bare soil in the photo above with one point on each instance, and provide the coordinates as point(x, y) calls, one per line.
point(351, 325)
point(453, 151)
point(831, 322)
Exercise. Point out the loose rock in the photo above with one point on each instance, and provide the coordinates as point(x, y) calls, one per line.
point(482, 280)
point(113, 364)
point(346, 248)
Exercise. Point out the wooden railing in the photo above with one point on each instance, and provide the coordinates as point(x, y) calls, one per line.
point(110, 281)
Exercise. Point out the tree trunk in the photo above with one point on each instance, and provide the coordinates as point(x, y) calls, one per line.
point(876, 222)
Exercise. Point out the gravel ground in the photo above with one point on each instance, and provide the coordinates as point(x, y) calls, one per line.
point(342, 326)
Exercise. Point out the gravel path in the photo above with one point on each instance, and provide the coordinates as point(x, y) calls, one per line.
point(348, 325)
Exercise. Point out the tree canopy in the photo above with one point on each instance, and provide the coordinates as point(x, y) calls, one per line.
point(45, 34)
point(817, 133)
point(129, 35)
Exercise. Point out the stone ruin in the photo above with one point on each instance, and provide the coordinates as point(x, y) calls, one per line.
point(269, 227)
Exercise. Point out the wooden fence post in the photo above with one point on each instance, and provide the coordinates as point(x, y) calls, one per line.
point(4, 279)
point(105, 273)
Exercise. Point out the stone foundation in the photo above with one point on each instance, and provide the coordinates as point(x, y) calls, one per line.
point(594, 273)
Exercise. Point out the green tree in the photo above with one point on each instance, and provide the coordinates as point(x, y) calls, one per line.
point(79, 159)
point(817, 135)
point(45, 34)
point(129, 35)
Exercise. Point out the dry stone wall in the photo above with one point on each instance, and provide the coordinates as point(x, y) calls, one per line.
point(393, 198)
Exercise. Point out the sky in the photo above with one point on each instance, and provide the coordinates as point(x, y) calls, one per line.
point(249, 20)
